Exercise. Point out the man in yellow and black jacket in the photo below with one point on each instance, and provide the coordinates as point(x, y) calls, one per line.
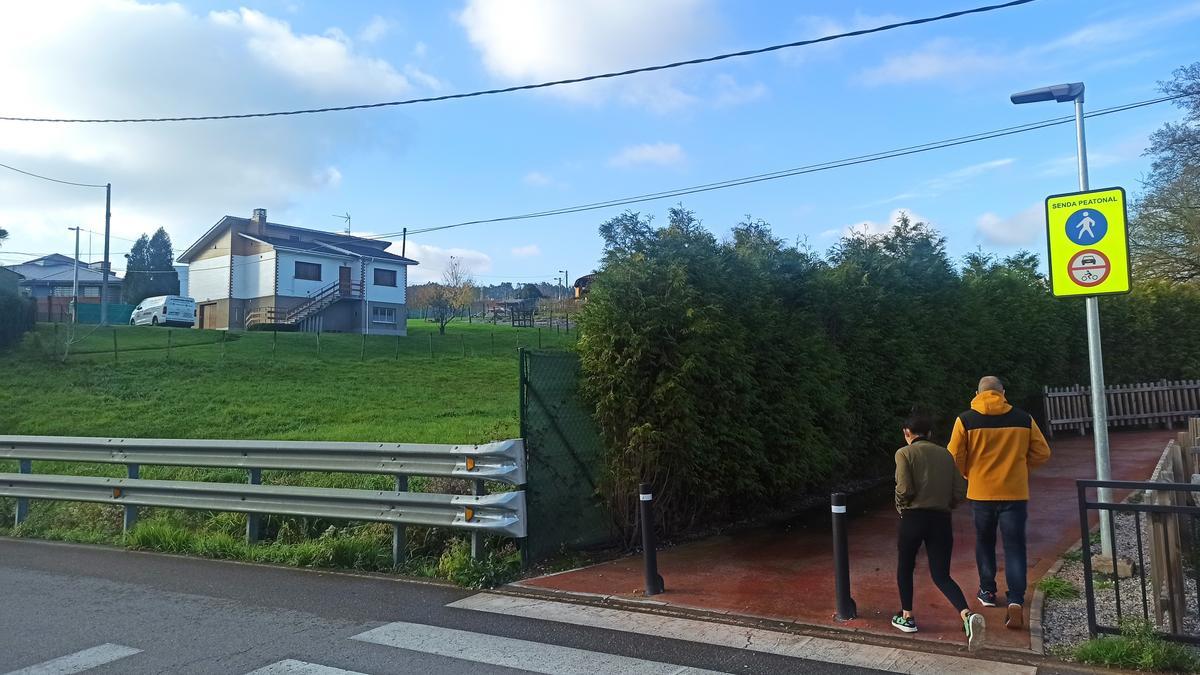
point(994, 447)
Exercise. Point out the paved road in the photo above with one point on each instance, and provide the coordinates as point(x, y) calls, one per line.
point(69, 609)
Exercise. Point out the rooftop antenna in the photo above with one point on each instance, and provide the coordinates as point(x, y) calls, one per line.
point(345, 217)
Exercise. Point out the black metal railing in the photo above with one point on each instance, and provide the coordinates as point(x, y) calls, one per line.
point(1163, 513)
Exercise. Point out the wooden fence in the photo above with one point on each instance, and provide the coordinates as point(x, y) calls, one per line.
point(1151, 404)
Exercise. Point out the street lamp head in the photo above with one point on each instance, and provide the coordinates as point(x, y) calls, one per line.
point(1059, 92)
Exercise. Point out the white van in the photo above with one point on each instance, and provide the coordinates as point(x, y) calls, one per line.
point(164, 310)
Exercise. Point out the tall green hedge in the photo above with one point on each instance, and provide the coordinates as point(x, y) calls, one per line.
point(16, 317)
point(737, 375)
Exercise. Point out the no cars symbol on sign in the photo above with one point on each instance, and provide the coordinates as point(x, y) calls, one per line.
point(1089, 268)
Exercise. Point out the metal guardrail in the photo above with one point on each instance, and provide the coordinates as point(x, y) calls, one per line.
point(500, 461)
point(479, 513)
point(499, 513)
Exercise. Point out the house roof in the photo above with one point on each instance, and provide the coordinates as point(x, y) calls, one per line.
point(58, 269)
point(12, 272)
point(360, 246)
point(330, 248)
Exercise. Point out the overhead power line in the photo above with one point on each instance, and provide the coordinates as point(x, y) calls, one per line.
point(52, 180)
point(796, 171)
point(540, 85)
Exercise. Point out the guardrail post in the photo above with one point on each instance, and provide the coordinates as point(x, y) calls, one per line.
point(26, 466)
point(846, 608)
point(254, 520)
point(654, 580)
point(478, 489)
point(131, 513)
point(399, 534)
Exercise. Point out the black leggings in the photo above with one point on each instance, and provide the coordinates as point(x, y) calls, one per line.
point(932, 528)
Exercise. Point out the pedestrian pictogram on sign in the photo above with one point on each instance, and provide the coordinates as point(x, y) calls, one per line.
point(1087, 226)
point(1089, 243)
point(1089, 268)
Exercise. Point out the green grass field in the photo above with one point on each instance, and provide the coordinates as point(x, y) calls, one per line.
point(418, 388)
point(460, 387)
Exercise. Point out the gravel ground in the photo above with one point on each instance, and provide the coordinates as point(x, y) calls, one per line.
point(1064, 622)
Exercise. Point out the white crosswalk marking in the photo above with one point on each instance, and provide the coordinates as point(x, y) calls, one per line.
point(512, 653)
point(79, 661)
point(294, 667)
point(753, 639)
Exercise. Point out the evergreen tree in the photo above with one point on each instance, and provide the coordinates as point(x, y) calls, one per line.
point(148, 269)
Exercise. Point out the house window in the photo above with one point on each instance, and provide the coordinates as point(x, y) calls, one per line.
point(383, 315)
point(61, 291)
point(308, 271)
point(89, 291)
point(385, 278)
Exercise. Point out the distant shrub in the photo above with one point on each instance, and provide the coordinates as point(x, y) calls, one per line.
point(16, 317)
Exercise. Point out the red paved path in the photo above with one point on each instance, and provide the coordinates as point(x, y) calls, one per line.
point(787, 576)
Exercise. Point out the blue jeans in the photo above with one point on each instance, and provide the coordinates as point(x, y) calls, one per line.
point(1010, 517)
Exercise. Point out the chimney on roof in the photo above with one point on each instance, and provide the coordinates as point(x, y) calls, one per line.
point(258, 222)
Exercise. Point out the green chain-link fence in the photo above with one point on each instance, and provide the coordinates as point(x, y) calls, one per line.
point(564, 454)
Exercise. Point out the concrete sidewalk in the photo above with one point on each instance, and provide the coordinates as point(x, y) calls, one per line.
point(787, 575)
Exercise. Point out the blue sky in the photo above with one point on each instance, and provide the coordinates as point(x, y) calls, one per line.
point(441, 163)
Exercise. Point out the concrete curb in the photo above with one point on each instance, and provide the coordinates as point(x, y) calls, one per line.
point(847, 634)
point(1036, 637)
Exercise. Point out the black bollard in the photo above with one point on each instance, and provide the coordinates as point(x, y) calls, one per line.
point(846, 609)
point(654, 580)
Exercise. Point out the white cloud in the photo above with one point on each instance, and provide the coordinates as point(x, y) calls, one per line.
point(943, 58)
point(953, 179)
point(329, 177)
point(946, 182)
point(874, 228)
point(537, 179)
point(58, 60)
point(661, 154)
point(528, 251)
point(960, 60)
point(535, 40)
point(323, 63)
point(812, 27)
point(1098, 156)
point(375, 30)
point(728, 92)
point(433, 260)
point(1021, 229)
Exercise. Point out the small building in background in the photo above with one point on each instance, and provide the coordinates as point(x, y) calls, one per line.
point(247, 273)
point(49, 280)
point(582, 284)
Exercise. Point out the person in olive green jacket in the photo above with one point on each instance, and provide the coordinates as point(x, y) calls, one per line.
point(928, 487)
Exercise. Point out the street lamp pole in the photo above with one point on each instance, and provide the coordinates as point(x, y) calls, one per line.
point(1063, 93)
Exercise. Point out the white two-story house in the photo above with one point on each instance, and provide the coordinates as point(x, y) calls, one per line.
point(247, 273)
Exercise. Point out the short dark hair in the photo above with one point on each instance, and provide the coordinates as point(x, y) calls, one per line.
point(919, 422)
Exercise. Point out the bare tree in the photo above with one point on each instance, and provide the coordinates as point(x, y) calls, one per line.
point(455, 292)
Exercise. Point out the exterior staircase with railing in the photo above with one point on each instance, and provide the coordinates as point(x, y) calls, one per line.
point(313, 305)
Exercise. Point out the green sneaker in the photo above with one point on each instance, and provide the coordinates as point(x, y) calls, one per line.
point(903, 623)
point(975, 628)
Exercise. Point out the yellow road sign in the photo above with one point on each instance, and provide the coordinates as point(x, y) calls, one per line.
point(1089, 243)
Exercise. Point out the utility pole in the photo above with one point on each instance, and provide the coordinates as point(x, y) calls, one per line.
point(104, 266)
point(75, 281)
